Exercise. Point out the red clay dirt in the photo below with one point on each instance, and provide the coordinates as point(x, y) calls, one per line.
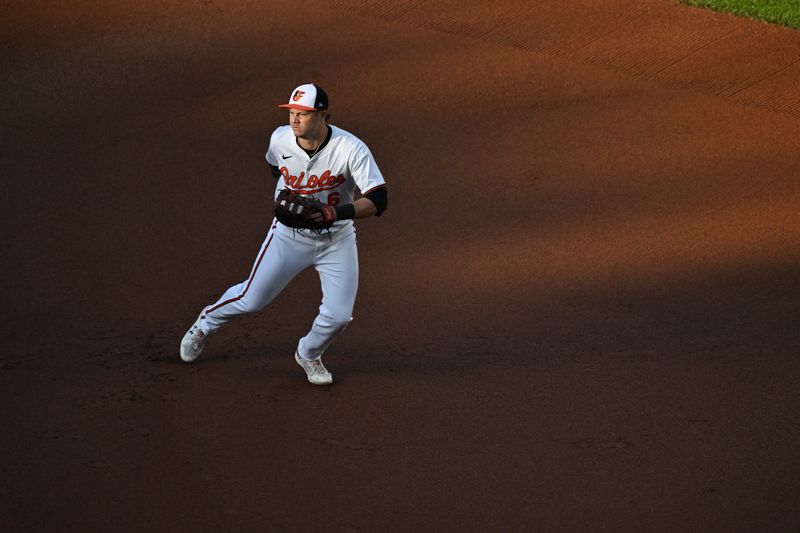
point(578, 314)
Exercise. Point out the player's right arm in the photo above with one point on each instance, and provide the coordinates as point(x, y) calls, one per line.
point(272, 151)
point(276, 172)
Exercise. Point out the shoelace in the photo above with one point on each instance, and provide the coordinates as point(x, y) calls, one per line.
point(318, 369)
point(197, 337)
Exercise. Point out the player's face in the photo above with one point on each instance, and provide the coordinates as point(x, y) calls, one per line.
point(306, 124)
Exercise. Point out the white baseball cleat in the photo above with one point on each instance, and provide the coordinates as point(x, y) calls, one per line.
point(315, 370)
point(192, 343)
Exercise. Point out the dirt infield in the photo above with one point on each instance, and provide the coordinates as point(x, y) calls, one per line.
point(579, 313)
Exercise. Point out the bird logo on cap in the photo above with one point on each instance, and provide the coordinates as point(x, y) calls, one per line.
point(298, 95)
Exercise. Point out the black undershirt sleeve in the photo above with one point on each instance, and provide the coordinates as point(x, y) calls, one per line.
point(379, 197)
point(276, 172)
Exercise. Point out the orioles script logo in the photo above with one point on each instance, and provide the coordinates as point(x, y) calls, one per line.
point(297, 95)
point(325, 182)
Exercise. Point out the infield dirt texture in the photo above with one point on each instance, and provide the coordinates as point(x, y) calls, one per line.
point(580, 312)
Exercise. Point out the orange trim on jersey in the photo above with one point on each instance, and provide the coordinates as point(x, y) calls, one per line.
point(374, 189)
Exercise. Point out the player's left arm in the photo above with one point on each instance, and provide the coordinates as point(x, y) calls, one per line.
point(373, 203)
point(374, 200)
point(364, 208)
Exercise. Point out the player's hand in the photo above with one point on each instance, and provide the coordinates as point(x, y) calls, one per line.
point(326, 216)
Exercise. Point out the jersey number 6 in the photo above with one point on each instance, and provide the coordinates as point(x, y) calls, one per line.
point(333, 199)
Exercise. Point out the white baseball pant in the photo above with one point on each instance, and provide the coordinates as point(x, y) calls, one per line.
point(284, 254)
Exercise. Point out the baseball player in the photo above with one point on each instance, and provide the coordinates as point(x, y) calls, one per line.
point(311, 158)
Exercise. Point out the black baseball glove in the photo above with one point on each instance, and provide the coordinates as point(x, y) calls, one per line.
point(303, 212)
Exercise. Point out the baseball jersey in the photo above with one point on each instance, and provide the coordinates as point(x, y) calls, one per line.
point(332, 174)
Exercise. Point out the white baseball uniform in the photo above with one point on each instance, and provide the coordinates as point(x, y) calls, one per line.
point(331, 174)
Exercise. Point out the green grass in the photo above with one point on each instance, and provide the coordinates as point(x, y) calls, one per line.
point(785, 12)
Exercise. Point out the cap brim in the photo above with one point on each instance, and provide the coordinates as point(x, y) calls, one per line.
point(296, 106)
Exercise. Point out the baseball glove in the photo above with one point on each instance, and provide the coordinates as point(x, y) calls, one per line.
point(303, 212)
